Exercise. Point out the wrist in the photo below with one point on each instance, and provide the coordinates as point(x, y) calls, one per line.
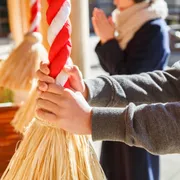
point(89, 122)
point(108, 37)
point(103, 41)
point(85, 93)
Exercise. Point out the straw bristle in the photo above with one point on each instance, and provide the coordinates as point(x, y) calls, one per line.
point(49, 153)
point(18, 71)
point(26, 113)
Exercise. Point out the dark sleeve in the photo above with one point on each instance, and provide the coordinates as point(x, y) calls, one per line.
point(147, 51)
point(152, 87)
point(110, 55)
point(155, 127)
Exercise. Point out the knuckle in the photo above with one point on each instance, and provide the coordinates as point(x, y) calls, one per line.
point(54, 117)
point(75, 69)
point(51, 87)
point(43, 95)
point(55, 88)
point(40, 83)
point(42, 86)
point(39, 101)
point(66, 93)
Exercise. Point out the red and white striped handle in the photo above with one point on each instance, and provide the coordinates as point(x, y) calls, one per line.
point(59, 39)
point(35, 6)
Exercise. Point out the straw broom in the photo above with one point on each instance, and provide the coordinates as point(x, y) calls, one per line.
point(26, 112)
point(19, 69)
point(37, 54)
point(46, 152)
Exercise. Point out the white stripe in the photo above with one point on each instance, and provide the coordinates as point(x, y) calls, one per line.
point(55, 27)
point(32, 2)
point(62, 77)
point(36, 22)
point(59, 21)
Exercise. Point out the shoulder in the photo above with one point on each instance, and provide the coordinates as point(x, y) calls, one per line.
point(157, 26)
point(152, 31)
point(153, 34)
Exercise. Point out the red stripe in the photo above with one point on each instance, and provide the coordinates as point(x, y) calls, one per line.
point(49, 1)
point(67, 84)
point(53, 9)
point(60, 60)
point(61, 47)
point(60, 41)
point(36, 29)
point(34, 10)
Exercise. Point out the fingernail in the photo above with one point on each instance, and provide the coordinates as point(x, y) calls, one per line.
point(68, 68)
point(39, 92)
point(43, 87)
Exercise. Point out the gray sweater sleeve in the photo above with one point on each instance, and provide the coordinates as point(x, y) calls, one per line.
point(155, 127)
point(120, 90)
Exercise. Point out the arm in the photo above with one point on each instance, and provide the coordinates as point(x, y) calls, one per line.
point(154, 127)
point(110, 56)
point(152, 87)
point(116, 91)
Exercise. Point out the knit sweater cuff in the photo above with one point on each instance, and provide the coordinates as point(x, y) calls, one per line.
point(100, 92)
point(108, 124)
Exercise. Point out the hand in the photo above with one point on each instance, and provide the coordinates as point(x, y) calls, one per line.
point(68, 110)
point(103, 26)
point(75, 79)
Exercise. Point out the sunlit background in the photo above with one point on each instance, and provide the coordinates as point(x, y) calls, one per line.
point(170, 164)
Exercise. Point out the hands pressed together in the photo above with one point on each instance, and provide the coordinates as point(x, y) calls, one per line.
point(67, 107)
point(103, 26)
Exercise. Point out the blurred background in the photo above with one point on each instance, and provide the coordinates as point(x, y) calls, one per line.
point(170, 164)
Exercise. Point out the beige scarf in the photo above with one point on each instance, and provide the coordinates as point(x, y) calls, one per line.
point(129, 21)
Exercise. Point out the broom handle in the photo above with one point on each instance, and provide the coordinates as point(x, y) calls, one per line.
point(15, 21)
point(35, 19)
point(44, 24)
point(25, 15)
point(59, 33)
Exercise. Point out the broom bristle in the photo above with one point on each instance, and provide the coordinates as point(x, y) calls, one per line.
point(26, 113)
point(18, 71)
point(49, 153)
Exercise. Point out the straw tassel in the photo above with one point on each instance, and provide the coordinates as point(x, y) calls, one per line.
point(18, 71)
point(28, 63)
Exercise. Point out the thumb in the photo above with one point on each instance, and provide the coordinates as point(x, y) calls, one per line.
point(73, 72)
point(75, 77)
point(111, 21)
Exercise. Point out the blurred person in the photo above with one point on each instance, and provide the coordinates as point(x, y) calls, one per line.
point(134, 40)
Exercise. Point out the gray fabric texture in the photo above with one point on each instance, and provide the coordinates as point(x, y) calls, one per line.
point(123, 109)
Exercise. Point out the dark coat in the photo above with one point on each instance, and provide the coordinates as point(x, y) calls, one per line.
point(147, 51)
